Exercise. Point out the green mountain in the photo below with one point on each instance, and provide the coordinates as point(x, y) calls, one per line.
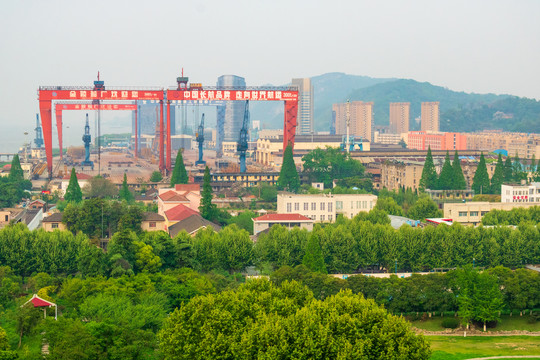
point(416, 92)
point(460, 111)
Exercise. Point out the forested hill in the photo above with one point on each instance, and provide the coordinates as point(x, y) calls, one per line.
point(416, 92)
point(460, 111)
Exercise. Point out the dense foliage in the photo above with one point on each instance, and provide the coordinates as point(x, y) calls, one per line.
point(264, 321)
point(513, 217)
point(12, 187)
point(288, 175)
point(179, 175)
point(73, 191)
point(327, 165)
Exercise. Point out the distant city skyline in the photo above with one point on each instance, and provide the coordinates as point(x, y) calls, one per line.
point(481, 47)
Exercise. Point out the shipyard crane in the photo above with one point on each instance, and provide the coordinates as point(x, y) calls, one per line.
point(39, 136)
point(242, 145)
point(199, 136)
point(87, 138)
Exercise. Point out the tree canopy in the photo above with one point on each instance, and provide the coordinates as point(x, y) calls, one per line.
point(498, 176)
point(459, 179)
point(125, 193)
point(429, 174)
point(481, 183)
point(447, 177)
point(73, 191)
point(179, 175)
point(288, 175)
point(327, 165)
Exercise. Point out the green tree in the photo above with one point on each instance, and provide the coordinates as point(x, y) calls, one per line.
point(125, 193)
point(313, 258)
point(207, 209)
point(99, 187)
point(327, 165)
point(156, 177)
point(288, 176)
point(517, 169)
point(244, 220)
point(481, 183)
point(508, 170)
point(459, 182)
point(447, 178)
point(533, 163)
point(266, 192)
point(73, 191)
point(16, 173)
point(429, 174)
point(424, 208)
point(389, 205)
point(179, 175)
point(498, 176)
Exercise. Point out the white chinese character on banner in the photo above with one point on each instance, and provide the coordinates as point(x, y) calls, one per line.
point(203, 94)
point(72, 94)
point(83, 106)
point(194, 94)
point(187, 94)
point(114, 94)
point(93, 94)
point(124, 94)
point(247, 95)
point(238, 95)
point(254, 95)
point(226, 95)
point(219, 95)
point(270, 95)
point(77, 107)
point(103, 94)
point(211, 94)
point(134, 94)
point(262, 95)
point(82, 94)
point(278, 95)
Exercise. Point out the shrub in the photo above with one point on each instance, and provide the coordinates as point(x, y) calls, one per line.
point(450, 323)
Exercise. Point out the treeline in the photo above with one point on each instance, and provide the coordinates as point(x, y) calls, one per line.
point(513, 217)
point(500, 287)
point(351, 245)
point(99, 317)
point(348, 246)
point(13, 187)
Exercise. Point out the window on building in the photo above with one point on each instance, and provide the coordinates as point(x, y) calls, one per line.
point(313, 206)
point(322, 206)
point(330, 217)
point(330, 207)
point(462, 213)
point(152, 224)
point(6, 218)
point(54, 225)
point(339, 205)
point(358, 204)
point(289, 207)
point(296, 206)
point(365, 204)
point(322, 217)
point(474, 213)
point(306, 206)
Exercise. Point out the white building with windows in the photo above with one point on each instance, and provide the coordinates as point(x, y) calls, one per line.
point(325, 207)
point(529, 193)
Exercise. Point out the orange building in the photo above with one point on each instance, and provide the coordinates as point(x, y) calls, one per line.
point(422, 140)
point(361, 119)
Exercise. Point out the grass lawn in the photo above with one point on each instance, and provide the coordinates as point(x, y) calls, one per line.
point(507, 323)
point(459, 348)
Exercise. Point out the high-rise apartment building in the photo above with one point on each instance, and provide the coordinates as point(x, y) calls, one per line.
point(230, 116)
point(429, 118)
point(399, 117)
point(361, 119)
point(304, 125)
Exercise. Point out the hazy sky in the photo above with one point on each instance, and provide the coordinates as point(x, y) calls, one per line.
point(472, 46)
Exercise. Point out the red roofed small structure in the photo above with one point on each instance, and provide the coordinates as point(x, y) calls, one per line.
point(178, 213)
point(265, 222)
point(42, 303)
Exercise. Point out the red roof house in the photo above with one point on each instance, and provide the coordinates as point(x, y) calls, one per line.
point(265, 222)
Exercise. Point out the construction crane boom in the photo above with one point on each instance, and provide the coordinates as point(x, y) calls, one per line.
point(199, 136)
point(242, 145)
point(39, 136)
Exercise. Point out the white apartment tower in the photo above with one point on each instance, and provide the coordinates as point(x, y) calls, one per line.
point(305, 106)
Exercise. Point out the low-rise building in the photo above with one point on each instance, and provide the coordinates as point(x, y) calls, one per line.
point(422, 140)
point(82, 179)
point(526, 193)
point(53, 222)
point(325, 207)
point(186, 194)
point(289, 221)
point(153, 222)
point(192, 224)
point(471, 213)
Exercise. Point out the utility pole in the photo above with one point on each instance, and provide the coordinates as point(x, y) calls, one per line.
point(347, 140)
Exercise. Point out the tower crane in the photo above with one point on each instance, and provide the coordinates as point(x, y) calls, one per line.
point(242, 145)
point(39, 136)
point(87, 138)
point(199, 136)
